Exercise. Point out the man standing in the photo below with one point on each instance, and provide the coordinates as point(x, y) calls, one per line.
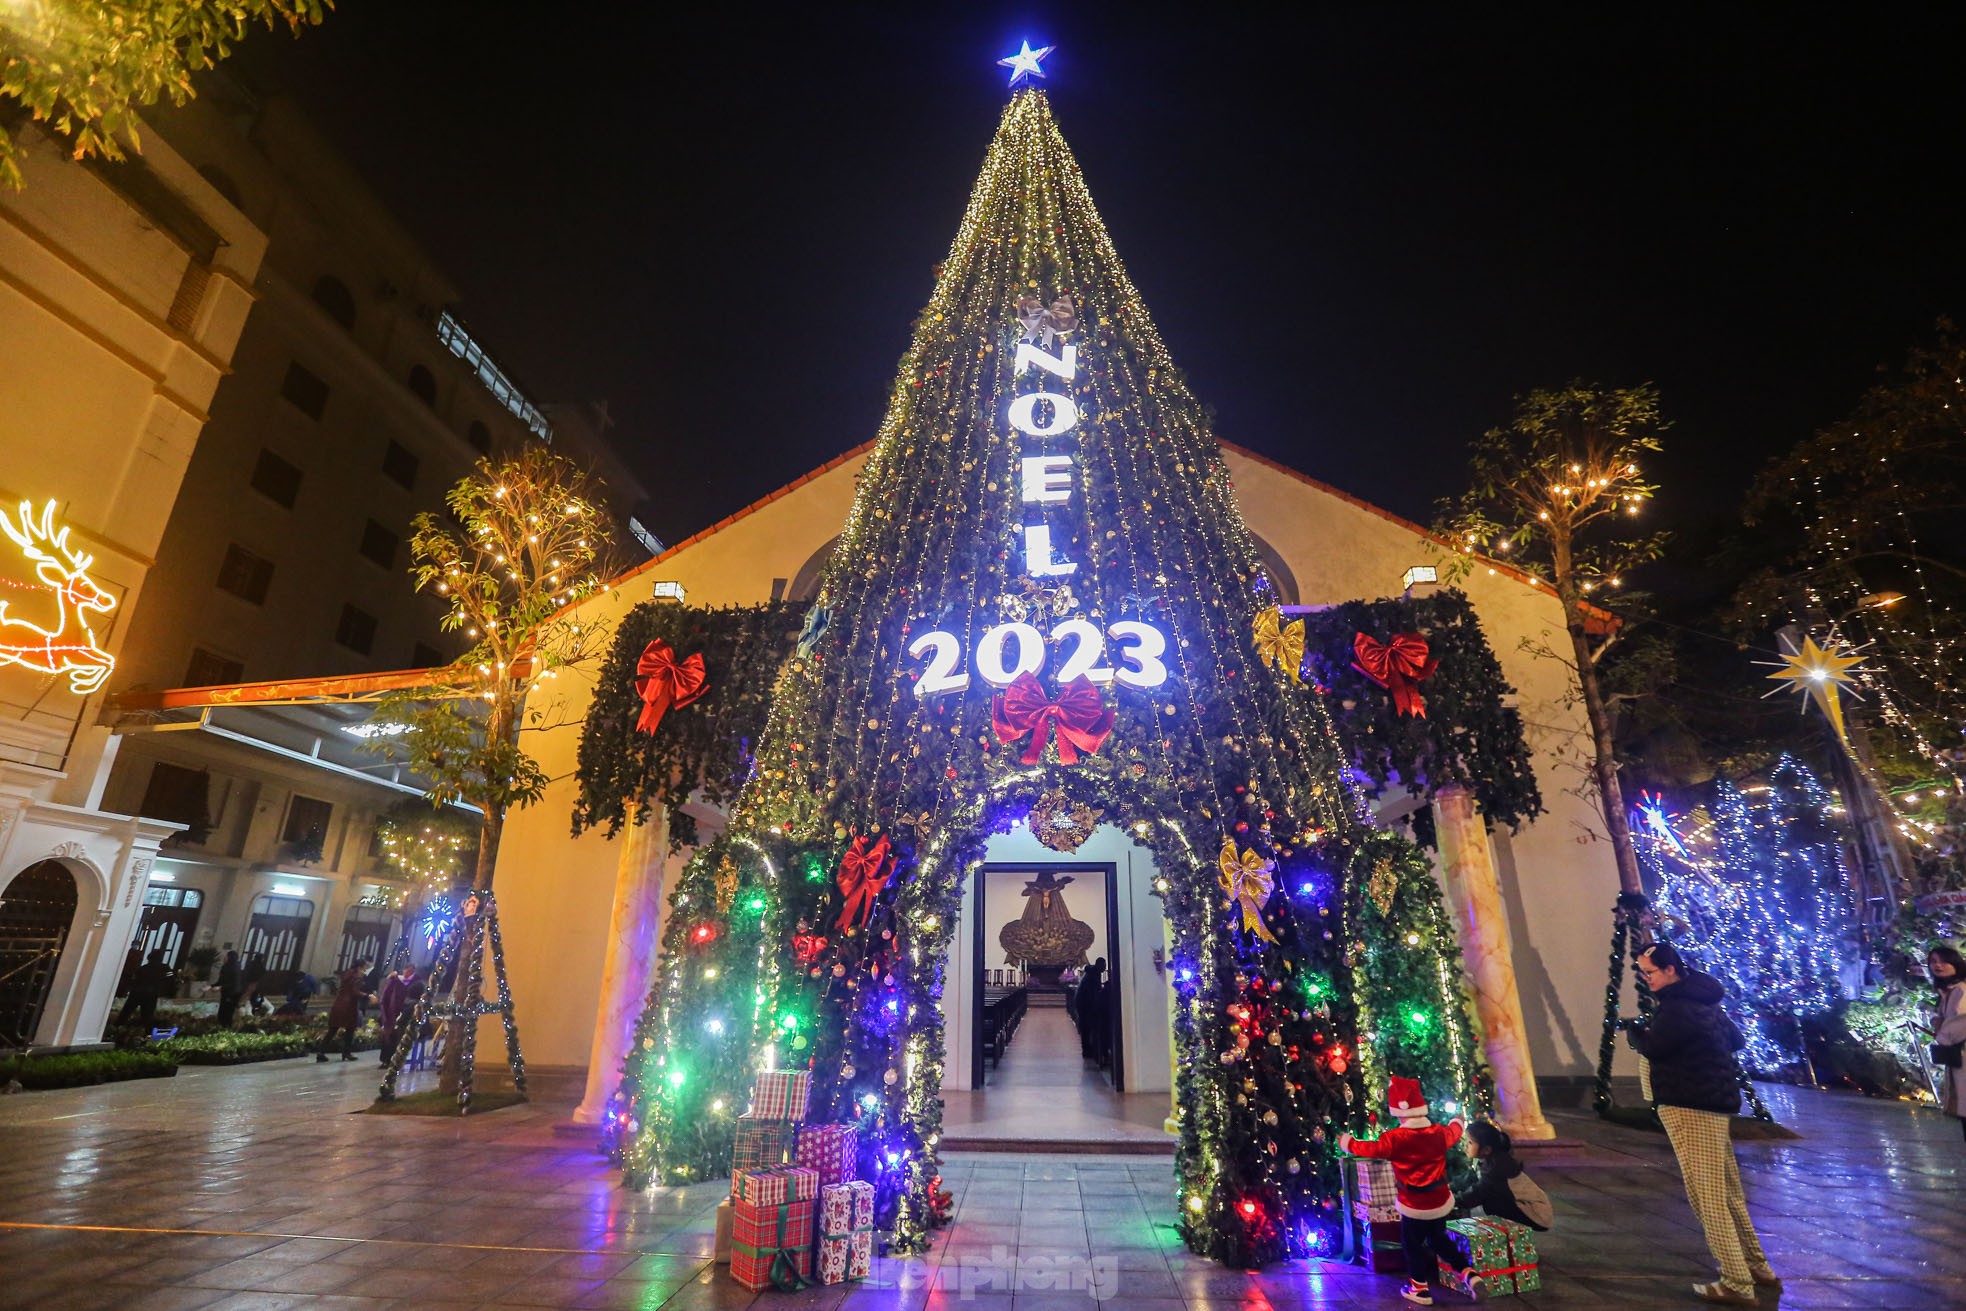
point(345, 1013)
point(229, 989)
point(146, 986)
point(1689, 1044)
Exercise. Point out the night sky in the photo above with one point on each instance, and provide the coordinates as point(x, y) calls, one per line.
point(1361, 234)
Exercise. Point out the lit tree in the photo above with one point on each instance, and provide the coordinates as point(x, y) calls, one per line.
point(517, 550)
point(432, 847)
point(1557, 493)
point(84, 69)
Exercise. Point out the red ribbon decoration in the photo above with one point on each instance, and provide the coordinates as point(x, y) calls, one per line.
point(807, 946)
point(1080, 716)
point(863, 873)
point(1397, 666)
point(666, 683)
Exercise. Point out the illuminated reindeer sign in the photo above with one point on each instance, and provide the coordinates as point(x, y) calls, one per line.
point(65, 572)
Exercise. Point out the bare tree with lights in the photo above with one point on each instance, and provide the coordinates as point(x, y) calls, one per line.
point(519, 547)
point(84, 70)
point(1557, 493)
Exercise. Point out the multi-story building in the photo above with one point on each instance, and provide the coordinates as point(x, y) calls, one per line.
point(123, 289)
point(358, 398)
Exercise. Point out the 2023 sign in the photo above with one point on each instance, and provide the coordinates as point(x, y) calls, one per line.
point(1138, 646)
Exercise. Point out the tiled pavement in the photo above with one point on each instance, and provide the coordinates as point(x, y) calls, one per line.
point(254, 1188)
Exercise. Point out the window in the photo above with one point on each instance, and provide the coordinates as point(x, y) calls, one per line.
point(356, 631)
point(479, 436)
point(332, 295)
point(210, 669)
point(278, 933)
point(189, 898)
point(276, 480)
point(378, 545)
point(424, 384)
point(245, 575)
point(426, 656)
point(306, 829)
point(307, 392)
point(181, 796)
point(400, 462)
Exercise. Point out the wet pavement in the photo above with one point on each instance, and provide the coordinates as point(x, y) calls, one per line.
point(256, 1187)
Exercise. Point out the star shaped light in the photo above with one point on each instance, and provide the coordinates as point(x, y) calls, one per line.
point(1024, 64)
point(1821, 675)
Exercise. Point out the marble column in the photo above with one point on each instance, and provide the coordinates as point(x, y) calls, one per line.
point(1467, 865)
point(634, 935)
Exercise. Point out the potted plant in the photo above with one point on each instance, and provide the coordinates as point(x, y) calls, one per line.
point(198, 963)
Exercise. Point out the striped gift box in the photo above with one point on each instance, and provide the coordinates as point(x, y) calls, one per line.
point(781, 1095)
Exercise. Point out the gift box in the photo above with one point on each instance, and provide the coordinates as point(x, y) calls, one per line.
point(726, 1216)
point(781, 1095)
point(848, 1256)
point(846, 1231)
point(771, 1243)
point(1494, 1251)
point(1379, 1247)
point(776, 1185)
point(831, 1149)
point(1375, 1182)
point(760, 1145)
point(1373, 1213)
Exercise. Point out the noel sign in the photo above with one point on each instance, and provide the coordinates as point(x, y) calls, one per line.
point(1047, 483)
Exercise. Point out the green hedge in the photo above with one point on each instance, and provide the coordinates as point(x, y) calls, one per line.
point(80, 1069)
point(241, 1048)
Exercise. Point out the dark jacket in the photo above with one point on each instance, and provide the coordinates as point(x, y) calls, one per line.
point(1691, 1044)
point(1492, 1194)
point(228, 977)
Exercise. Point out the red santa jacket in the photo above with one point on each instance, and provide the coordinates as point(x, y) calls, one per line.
point(1418, 1151)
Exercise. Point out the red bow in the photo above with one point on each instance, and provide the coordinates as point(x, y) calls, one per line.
point(1397, 666)
point(807, 946)
point(666, 683)
point(863, 873)
point(1080, 715)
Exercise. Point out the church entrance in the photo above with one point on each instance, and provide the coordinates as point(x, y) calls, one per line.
point(1041, 939)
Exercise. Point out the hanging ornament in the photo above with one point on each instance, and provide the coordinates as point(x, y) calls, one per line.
point(1080, 717)
point(818, 619)
point(1398, 666)
point(724, 882)
point(1061, 823)
point(1278, 644)
point(863, 873)
point(1819, 674)
point(1382, 885)
point(807, 945)
point(1248, 879)
point(665, 683)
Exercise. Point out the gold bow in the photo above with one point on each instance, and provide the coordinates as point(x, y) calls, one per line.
point(1279, 644)
point(1248, 881)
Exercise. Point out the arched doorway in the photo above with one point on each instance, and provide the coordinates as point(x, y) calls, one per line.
point(36, 910)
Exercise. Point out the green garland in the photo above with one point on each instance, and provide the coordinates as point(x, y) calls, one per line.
point(1470, 734)
point(705, 745)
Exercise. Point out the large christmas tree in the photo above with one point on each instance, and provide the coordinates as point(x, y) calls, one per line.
point(1045, 586)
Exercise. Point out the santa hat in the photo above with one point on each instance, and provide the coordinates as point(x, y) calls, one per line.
point(1406, 1099)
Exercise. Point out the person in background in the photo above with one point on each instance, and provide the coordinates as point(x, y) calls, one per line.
point(1690, 1044)
point(397, 999)
point(1091, 1011)
point(345, 1012)
point(251, 976)
point(152, 979)
point(1948, 970)
point(1503, 1190)
point(229, 988)
point(299, 993)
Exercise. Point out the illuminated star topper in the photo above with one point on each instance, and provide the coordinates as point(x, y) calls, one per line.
point(1819, 674)
point(1024, 64)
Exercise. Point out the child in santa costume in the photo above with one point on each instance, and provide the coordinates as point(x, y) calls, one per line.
point(1417, 1149)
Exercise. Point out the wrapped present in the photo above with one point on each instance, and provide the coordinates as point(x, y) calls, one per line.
point(771, 1244)
point(760, 1144)
point(1375, 1182)
point(846, 1231)
point(1379, 1247)
point(1490, 1255)
point(775, 1185)
point(1373, 1213)
point(848, 1256)
point(831, 1149)
point(781, 1095)
point(720, 1253)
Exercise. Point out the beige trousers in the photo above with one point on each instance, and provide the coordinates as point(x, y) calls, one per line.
point(1713, 1186)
